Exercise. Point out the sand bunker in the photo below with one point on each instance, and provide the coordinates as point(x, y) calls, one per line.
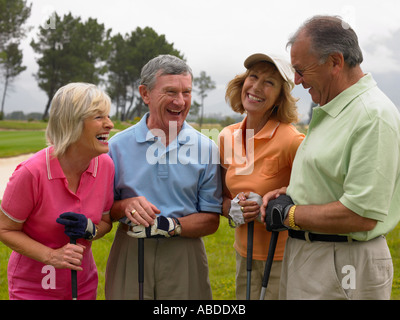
point(7, 167)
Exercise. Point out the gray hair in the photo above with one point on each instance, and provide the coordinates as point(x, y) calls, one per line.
point(163, 65)
point(330, 34)
point(70, 106)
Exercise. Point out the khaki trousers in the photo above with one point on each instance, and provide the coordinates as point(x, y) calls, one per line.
point(336, 270)
point(257, 274)
point(174, 269)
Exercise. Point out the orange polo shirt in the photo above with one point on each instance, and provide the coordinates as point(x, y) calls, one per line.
point(261, 165)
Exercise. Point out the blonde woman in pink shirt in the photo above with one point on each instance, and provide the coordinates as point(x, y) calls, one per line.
point(73, 177)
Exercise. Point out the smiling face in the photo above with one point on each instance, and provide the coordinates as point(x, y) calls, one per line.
point(94, 138)
point(169, 101)
point(310, 73)
point(261, 89)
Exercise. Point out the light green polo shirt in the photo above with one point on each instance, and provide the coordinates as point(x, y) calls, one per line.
point(352, 154)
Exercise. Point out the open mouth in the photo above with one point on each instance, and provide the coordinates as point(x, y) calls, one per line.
point(254, 98)
point(103, 137)
point(174, 112)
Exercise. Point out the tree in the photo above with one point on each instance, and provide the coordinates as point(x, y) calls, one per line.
point(204, 84)
point(128, 55)
point(194, 109)
point(74, 51)
point(13, 15)
point(12, 66)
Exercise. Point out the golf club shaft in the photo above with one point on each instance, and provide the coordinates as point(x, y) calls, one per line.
point(268, 263)
point(250, 234)
point(141, 266)
point(74, 278)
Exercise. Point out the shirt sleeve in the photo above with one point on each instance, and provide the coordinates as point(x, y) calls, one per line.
point(110, 183)
point(210, 191)
point(116, 193)
point(19, 197)
point(296, 141)
point(225, 160)
point(372, 164)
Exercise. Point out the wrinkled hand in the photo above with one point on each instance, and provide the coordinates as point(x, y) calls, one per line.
point(77, 226)
point(162, 228)
point(251, 209)
point(67, 257)
point(140, 211)
point(276, 213)
point(244, 208)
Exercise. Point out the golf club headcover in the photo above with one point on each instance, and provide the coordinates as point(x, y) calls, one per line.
point(77, 226)
point(163, 227)
point(235, 212)
point(276, 212)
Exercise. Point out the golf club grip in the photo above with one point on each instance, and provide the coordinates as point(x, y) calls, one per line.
point(250, 234)
point(140, 266)
point(270, 258)
point(74, 278)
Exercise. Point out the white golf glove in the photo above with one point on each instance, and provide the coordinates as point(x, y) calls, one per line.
point(236, 214)
point(163, 227)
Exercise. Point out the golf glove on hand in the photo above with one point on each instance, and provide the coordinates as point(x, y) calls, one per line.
point(277, 211)
point(235, 213)
point(163, 227)
point(77, 225)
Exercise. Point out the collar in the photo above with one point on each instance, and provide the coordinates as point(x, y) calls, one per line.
point(54, 170)
point(267, 132)
point(340, 102)
point(143, 134)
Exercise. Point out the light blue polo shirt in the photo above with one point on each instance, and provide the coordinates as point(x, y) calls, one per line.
point(180, 179)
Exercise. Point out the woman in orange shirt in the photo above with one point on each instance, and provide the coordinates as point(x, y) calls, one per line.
point(257, 156)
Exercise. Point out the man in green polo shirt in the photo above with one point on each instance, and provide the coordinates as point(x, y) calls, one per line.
point(345, 186)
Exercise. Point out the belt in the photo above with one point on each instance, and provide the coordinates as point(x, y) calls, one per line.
point(309, 237)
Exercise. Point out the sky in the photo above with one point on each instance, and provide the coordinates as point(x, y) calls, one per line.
point(216, 36)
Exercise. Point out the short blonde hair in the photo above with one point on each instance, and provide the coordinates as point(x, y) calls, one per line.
point(285, 112)
point(71, 105)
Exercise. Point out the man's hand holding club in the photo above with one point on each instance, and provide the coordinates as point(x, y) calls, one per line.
point(144, 222)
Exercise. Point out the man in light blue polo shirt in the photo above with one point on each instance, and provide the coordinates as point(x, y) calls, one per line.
point(167, 190)
point(345, 184)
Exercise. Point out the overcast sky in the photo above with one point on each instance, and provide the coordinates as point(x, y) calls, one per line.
point(217, 35)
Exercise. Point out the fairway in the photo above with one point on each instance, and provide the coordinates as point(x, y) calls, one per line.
point(13, 143)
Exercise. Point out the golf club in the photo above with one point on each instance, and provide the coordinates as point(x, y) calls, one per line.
point(141, 266)
point(74, 280)
point(268, 263)
point(250, 233)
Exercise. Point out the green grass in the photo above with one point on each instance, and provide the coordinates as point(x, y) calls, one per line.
point(22, 137)
point(22, 125)
point(13, 143)
point(393, 240)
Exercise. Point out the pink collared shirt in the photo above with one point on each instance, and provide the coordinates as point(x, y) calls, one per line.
point(36, 195)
